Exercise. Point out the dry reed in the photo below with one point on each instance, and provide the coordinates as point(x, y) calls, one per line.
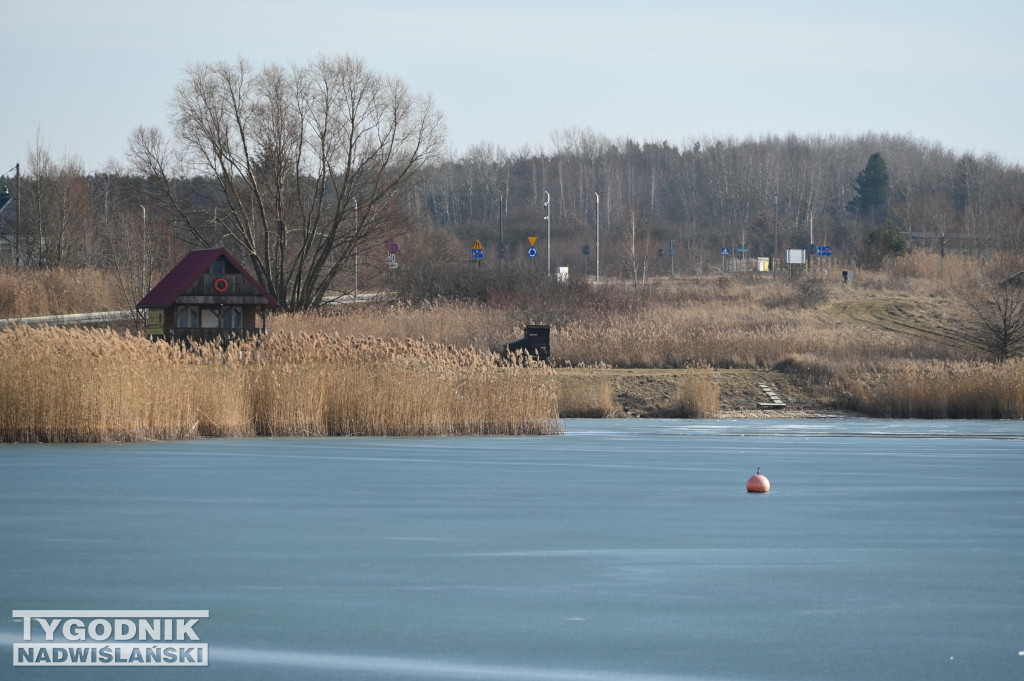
point(697, 395)
point(587, 395)
point(936, 390)
point(26, 292)
point(74, 385)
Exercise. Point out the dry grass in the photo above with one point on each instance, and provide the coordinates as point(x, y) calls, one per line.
point(90, 386)
point(31, 293)
point(936, 390)
point(885, 346)
point(697, 396)
point(587, 395)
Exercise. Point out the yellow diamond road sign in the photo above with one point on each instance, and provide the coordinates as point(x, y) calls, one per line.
point(477, 245)
point(532, 240)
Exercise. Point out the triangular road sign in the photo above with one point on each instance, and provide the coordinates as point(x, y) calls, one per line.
point(532, 240)
point(476, 245)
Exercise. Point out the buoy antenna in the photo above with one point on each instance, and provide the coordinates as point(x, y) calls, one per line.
point(758, 470)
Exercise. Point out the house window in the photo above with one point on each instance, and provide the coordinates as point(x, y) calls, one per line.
point(217, 267)
point(232, 318)
point(188, 317)
point(208, 319)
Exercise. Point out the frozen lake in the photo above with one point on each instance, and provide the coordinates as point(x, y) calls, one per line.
point(622, 550)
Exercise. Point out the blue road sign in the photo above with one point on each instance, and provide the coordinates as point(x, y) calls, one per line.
point(824, 251)
point(532, 252)
point(725, 252)
point(478, 252)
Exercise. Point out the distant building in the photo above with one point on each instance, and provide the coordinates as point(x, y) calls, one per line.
point(8, 225)
point(207, 296)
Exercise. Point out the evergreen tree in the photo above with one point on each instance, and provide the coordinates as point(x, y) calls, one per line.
point(883, 243)
point(872, 200)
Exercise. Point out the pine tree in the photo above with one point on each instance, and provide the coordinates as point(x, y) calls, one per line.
point(872, 200)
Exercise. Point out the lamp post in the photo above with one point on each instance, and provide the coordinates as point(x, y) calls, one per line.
point(597, 257)
point(775, 269)
point(547, 218)
point(501, 231)
point(355, 288)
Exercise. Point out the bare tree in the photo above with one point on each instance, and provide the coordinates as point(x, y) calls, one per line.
point(297, 168)
point(637, 253)
point(997, 305)
point(56, 211)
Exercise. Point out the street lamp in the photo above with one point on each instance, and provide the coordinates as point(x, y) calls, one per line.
point(547, 218)
point(597, 257)
point(775, 270)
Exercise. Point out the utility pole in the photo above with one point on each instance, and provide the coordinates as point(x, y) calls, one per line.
point(501, 231)
point(547, 218)
point(355, 288)
point(597, 258)
point(145, 253)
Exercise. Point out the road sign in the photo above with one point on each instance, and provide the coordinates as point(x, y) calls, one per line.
point(532, 240)
point(586, 250)
point(725, 252)
point(391, 246)
point(824, 251)
point(478, 252)
point(477, 245)
point(531, 251)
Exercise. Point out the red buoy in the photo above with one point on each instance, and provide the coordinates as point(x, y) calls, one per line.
point(758, 483)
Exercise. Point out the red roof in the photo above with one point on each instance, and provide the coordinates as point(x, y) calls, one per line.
point(185, 273)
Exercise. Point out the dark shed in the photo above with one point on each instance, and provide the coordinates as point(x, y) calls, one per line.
point(207, 296)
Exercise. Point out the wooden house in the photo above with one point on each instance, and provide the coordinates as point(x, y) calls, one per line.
point(207, 296)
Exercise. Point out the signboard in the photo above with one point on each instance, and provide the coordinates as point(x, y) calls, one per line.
point(796, 256)
point(824, 251)
point(478, 249)
point(725, 252)
point(532, 252)
point(532, 240)
point(391, 246)
point(154, 322)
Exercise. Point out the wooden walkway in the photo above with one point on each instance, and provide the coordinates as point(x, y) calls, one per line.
point(776, 401)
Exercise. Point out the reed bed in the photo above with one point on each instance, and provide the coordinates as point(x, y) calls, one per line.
point(75, 385)
point(586, 396)
point(726, 332)
point(27, 292)
point(935, 390)
point(697, 395)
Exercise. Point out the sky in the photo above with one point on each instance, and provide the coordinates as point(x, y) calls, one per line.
point(79, 77)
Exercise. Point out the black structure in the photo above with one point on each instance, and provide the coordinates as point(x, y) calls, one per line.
point(536, 341)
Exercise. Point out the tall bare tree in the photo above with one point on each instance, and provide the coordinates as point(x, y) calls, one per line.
point(56, 211)
point(297, 168)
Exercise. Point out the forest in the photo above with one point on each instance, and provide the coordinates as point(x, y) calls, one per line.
point(710, 195)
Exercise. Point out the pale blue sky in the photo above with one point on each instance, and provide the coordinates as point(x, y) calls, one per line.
point(84, 74)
